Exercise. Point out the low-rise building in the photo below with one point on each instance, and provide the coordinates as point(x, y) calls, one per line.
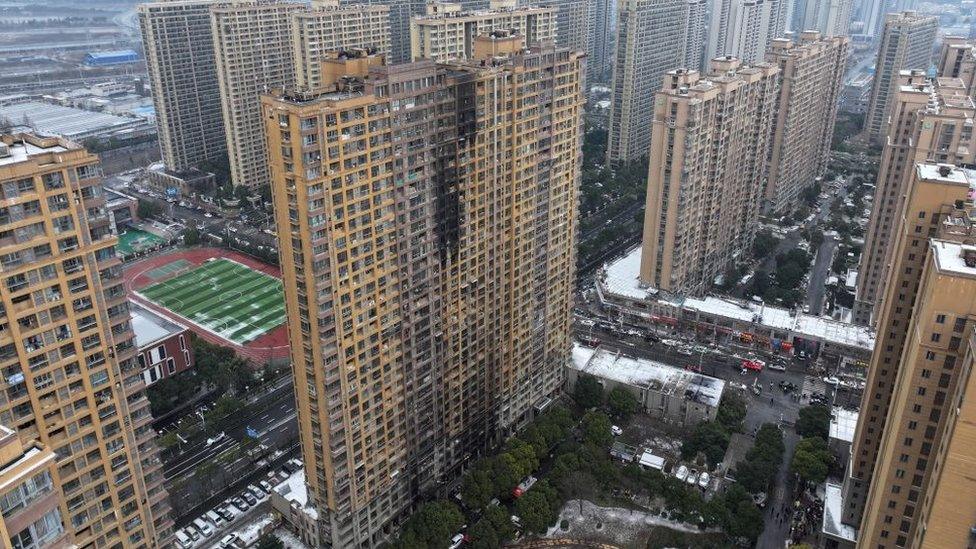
point(836, 533)
point(290, 500)
point(843, 422)
point(178, 185)
point(164, 346)
point(725, 320)
point(662, 391)
point(32, 506)
point(123, 209)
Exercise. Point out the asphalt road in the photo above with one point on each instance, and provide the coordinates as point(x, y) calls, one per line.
point(819, 274)
point(270, 415)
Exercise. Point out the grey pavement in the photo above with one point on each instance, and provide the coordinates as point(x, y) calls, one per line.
point(819, 273)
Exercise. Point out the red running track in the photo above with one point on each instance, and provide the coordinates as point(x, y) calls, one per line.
point(272, 346)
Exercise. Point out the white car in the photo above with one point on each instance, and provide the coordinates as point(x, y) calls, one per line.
point(205, 529)
point(692, 477)
point(617, 431)
point(703, 480)
point(832, 380)
point(682, 473)
point(213, 517)
point(456, 541)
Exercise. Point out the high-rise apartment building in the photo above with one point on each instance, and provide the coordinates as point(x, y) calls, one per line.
point(811, 79)
point(958, 60)
point(906, 44)
point(329, 27)
point(830, 17)
point(573, 21)
point(178, 42)
point(918, 372)
point(696, 32)
point(254, 53)
point(67, 350)
point(743, 28)
point(426, 214)
point(446, 32)
point(32, 507)
point(707, 172)
point(650, 42)
point(930, 121)
point(599, 62)
point(263, 44)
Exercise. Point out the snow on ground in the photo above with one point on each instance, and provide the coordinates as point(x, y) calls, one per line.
point(289, 539)
point(617, 525)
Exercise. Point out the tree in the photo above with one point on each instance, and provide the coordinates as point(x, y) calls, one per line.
point(432, 525)
point(596, 429)
point(588, 392)
point(147, 208)
point(477, 487)
point(578, 485)
point(191, 236)
point(622, 403)
point(709, 438)
point(483, 536)
point(731, 412)
point(534, 511)
point(169, 440)
point(501, 521)
point(811, 460)
point(764, 243)
point(270, 541)
point(814, 421)
point(762, 461)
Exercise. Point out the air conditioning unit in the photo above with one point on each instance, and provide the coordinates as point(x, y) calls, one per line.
point(4, 150)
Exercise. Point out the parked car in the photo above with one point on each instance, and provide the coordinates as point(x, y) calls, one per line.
point(266, 486)
point(192, 532)
point(215, 517)
point(703, 480)
point(682, 473)
point(229, 541)
point(225, 512)
point(617, 431)
point(777, 366)
point(456, 541)
point(250, 499)
point(205, 529)
point(692, 477)
point(184, 541)
point(240, 504)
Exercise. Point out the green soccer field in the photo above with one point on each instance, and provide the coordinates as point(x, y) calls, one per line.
point(226, 297)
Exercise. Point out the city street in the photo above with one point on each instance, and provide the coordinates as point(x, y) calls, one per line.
point(270, 416)
point(819, 273)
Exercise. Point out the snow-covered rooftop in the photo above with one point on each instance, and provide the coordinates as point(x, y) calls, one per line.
point(644, 373)
point(833, 505)
point(843, 423)
point(150, 327)
point(620, 279)
point(949, 256)
point(294, 490)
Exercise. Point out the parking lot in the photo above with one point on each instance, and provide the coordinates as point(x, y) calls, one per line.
point(230, 523)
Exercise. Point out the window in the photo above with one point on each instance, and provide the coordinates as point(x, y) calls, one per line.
point(31, 489)
point(40, 533)
point(936, 337)
point(940, 319)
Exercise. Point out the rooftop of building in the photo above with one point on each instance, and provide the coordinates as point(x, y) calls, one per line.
point(149, 327)
point(18, 148)
point(946, 173)
point(50, 119)
point(620, 277)
point(438, 11)
point(833, 510)
point(843, 422)
point(649, 374)
point(954, 257)
point(294, 490)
